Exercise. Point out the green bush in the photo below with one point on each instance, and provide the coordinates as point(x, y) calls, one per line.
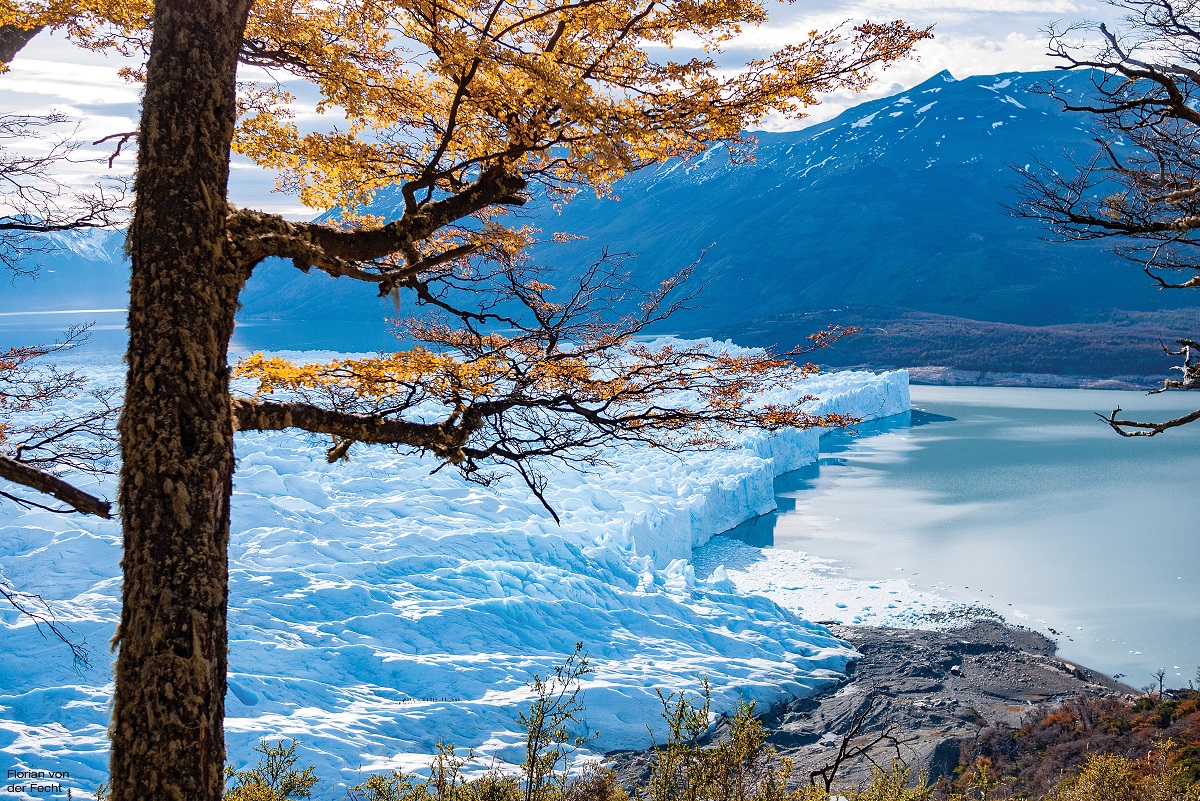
point(894, 784)
point(1113, 777)
point(741, 768)
point(739, 765)
point(274, 778)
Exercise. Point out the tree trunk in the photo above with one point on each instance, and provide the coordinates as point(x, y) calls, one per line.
point(12, 39)
point(176, 429)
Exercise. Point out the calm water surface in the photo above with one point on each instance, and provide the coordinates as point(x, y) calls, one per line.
point(1022, 500)
point(107, 332)
point(1017, 498)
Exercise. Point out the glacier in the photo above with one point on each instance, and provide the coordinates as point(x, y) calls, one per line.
point(377, 608)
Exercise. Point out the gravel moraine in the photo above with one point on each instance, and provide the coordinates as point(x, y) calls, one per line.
point(937, 688)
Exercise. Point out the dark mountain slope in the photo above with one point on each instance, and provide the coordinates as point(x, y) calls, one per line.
point(897, 202)
point(890, 217)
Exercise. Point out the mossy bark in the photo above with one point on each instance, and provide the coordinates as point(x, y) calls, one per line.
point(176, 427)
point(12, 39)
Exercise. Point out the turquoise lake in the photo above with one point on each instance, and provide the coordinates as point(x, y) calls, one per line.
point(1023, 501)
point(1018, 499)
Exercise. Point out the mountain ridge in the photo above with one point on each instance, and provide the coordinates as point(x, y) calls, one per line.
point(894, 211)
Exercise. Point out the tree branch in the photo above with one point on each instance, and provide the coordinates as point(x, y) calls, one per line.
point(855, 744)
point(494, 186)
point(1140, 428)
point(36, 609)
point(77, 499)
point(12, 39)
point(257, 235)
point(444, 440)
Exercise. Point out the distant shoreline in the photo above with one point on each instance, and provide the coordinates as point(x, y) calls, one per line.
point(954, 377)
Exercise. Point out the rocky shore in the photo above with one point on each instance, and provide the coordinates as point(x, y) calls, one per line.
point(936, 689)
point(932, 689)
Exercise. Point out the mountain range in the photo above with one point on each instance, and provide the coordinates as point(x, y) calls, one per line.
point(893, 217)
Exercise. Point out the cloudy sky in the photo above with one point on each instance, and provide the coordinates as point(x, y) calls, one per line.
point(973, 37)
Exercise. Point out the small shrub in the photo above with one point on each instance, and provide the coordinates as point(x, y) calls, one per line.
point(1105, 777)
point(544, 775)
point(1057, 742)
point(980, 782)
point(1081, 740)
point(274, 778)
point(394, 786)
point(547, 724)
point(741, 768)
point(897, 783)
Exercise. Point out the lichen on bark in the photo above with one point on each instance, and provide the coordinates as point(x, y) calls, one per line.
point(176, 427)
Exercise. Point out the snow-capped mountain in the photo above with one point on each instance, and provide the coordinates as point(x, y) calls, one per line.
point(897, 202)
point(894, 217)
point(891, 216)
point(84, 269)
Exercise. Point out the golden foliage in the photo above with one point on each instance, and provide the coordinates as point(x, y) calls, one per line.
point(558, 388)
point(274, 778)
point(670, 395)
point(1113, 777)
point(425, 91)
point(461, 105)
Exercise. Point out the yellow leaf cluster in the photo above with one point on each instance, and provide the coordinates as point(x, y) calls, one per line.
point(699, 396)
point(429, 92)
point(436, 375)
point(122, 25)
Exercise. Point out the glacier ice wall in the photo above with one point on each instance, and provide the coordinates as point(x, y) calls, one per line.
point(376, 608)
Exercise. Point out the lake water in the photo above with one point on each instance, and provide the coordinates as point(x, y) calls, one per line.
point(1023, 501)
point(1019, 499)
point(107, 332)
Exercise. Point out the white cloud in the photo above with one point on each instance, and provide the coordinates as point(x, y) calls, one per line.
point(972, 37)
point(963, 56)
point(69, 83)
point(935, 7)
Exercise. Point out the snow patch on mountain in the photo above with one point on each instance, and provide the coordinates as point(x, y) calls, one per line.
point(93, 244)
point(863, 122)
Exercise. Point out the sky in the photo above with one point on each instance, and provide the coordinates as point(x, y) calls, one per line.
point(972, 37)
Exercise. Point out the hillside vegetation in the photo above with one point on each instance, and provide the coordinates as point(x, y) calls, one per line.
point(1085, 750)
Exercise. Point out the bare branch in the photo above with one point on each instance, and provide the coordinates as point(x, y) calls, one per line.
point(38, 437)
point(854, 744)
point(122, 139)
point(34, 202)
point(41, 481)
point(39, 611)
point(1141, 428)
point(1142, 186)
point(566, 379)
